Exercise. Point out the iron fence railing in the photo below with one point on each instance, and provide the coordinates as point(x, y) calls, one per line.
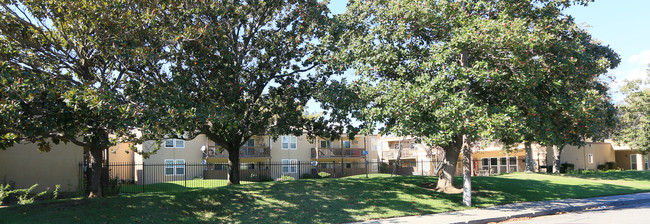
point(173, 176)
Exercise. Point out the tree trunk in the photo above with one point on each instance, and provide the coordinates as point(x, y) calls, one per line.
point(529, 157)
point(398, 158)
point(233, 162)
point(556, 158)
point(96, 172)
point(467, 172)
point(446, 178)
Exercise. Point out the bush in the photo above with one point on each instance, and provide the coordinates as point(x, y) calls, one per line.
point(283, 178)
point(566, 167)
point(602, 167)
point(611, 165)
point(306, 176)
point(383, 168)
point(265, 178)
point(5, 191)
point(324, 175)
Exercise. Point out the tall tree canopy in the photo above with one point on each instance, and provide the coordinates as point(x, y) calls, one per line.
point(63, 67)
point(453, 72)
point(237, 69)
point(634, 116)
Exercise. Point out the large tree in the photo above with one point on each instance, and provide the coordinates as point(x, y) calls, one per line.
point(238, 69)
point(634, 116)
point(63, 66)
point(453, 72)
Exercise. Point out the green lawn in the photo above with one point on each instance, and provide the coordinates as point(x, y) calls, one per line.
point(320, 201)
point(179, 185)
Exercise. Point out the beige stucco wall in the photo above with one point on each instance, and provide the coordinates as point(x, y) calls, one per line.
point(602, 152)
point(24, 165)
point(154, 165)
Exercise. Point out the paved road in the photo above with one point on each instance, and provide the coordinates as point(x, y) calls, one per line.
point(628, 214)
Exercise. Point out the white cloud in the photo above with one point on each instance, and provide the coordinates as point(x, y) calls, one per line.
point(641, 59)
point(620, 76)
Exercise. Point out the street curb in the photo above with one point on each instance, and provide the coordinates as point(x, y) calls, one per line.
point(553, 211)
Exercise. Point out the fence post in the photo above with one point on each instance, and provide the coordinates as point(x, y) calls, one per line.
point(185, 172)
point(143, 175)
point(298, 174)
point(259, 171)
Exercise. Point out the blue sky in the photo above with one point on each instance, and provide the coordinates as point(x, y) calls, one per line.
point(624, 25)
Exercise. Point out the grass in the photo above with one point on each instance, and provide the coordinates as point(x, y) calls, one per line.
point(321, 201)
point(179, 185)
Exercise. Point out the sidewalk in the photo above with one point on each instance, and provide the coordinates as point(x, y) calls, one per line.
point(526, 209)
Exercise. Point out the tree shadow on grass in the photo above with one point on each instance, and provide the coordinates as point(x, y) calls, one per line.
point(308, 201)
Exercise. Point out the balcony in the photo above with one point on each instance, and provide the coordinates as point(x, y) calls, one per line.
point(337, 152)
point(244, 152)
point(406, 153)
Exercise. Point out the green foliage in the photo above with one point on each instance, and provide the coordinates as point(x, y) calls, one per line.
point(265, 178)
point(5, 191)
point(383, 168)
point(63, 69)
point(611, 165)
point(285, 177)
point(634, 116)
point(567, 168)
point(306, 176)
point(55, 193)
point(324, 175)
point(237, 72)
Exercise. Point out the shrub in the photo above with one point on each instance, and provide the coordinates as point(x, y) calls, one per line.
point(383, 168)
point(566, 167)
point(283, 178)
point(5, 191)
point(55, 193)
point(306, 176)
point(611, 165)
point(264, 178)
point(324, 175)
point(602, 167)
point(24, 195)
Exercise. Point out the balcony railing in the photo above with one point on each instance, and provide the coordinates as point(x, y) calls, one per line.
point(337, 152)
point(406, 153)
point(244, 152)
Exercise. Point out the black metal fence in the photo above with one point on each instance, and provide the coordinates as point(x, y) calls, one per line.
point(171, 176)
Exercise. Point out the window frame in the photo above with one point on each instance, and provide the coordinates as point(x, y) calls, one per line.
point(349, 144)
point(175, 165)
point(291, 165)
point(291, 144)
point(174, 143)
point(328, 144)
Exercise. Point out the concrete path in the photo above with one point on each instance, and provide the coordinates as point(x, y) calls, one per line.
point(526, 209)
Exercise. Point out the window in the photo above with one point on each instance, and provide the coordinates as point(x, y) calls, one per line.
point(373, 144)
point(221, 166)
point(513, 164)
point(289, 166)
point(250, 143)
point(289, 142)
point(326, 165)
point(590, 158)
point(247, 166)
point(169, 143)
point(346, 144)
point(174, 143)
point(373, 165)
point(503, 167)
point(174, 167)
point(325, 144)
point(633, 161)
